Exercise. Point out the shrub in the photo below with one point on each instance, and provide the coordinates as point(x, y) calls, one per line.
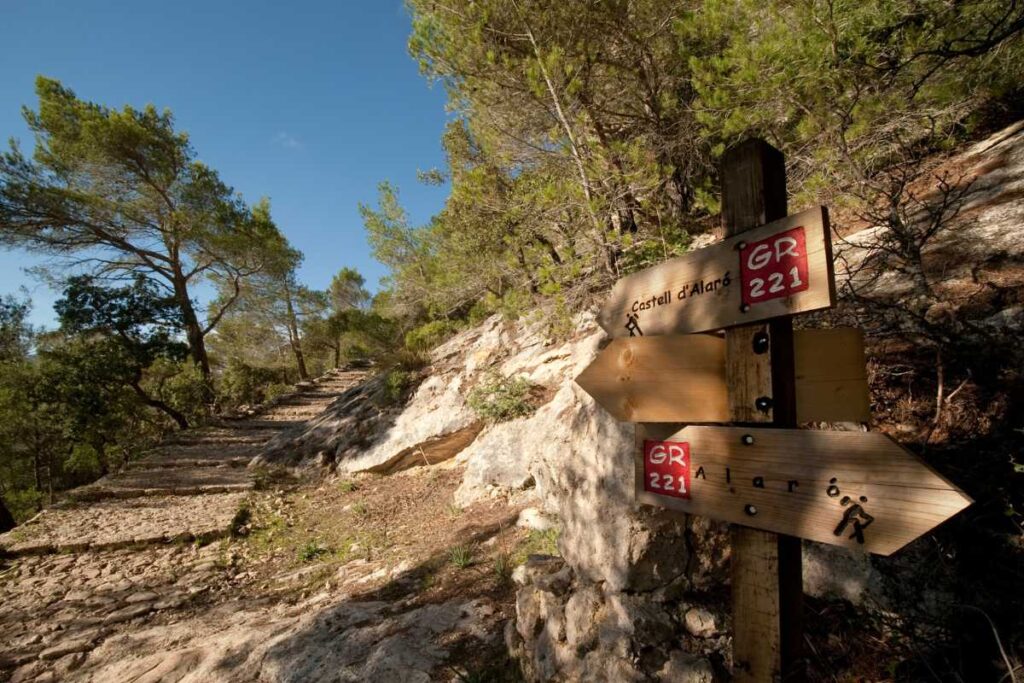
point(499, 398)
point(276, 389)
point(23, 504)
point(180, 384)
point(426, 337)
point(243, 384)
point(311, 551)
point(395, 384)
point(348, 486)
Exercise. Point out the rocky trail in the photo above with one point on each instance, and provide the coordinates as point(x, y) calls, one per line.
point(188, 488)
point(192, 565)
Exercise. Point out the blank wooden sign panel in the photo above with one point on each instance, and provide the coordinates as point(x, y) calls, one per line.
point(781, 268)
point(852, 489)
point(682, 378)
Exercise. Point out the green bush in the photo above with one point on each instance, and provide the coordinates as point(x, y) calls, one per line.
point(23, 504)
point(426, 337)
point(243, 384)
point(276, 389)
point(180, 384)
point(396, 381)
point(312, 550)
point(498, 398)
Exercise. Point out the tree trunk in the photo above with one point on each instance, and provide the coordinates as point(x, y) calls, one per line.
point(193, 330)
point(49, 476)
point(6, 518)
point(293, 335)
point(337, 355)
point(101, 457)
point(37, 465)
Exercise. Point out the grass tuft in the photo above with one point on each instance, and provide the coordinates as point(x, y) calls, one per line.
point(312, 550)
point(461, 556)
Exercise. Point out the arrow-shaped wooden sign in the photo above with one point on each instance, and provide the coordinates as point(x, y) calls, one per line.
point(681, 378)
point(853, 489)
point(781, 268)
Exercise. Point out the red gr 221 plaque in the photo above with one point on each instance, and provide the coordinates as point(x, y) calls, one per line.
point(667, 468)
point(774, 267)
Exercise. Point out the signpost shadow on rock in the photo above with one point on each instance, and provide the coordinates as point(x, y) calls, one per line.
point(776, 484)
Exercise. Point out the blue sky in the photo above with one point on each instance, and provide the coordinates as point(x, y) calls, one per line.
point(309, 103)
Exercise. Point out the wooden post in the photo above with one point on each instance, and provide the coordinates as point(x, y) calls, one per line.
point(767, 584)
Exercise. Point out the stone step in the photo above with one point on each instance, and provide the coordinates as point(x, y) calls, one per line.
point(220, 437)
point(110, 524)
point(170, 462)
point(250, 425)
point(182, 481)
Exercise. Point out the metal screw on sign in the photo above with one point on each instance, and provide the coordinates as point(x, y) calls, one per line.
point(744, 308)
point(761, 342)
point(750, 509)
point(763, 403)
point(747, 439)
point(740, 246)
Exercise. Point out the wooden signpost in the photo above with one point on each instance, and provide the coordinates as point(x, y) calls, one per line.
point(776, 485)
point(859, 490)
point(681, 378)
point(781, 268)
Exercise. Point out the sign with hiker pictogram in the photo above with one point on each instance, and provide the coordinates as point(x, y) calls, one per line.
point(782, 268)
point(859, 490)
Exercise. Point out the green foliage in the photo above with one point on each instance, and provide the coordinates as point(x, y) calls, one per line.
point(499, 398)
point(180, 385)
point(243, 384)
point(431, 334)
point(461, 556)
point(311, 551)
point(15, 332)
point(348, 290)
point(347, 486)
point(276, 389)
point(24, 503)
point(396, 382)
point(587, 147)
point(503, 567)
point(121, 191)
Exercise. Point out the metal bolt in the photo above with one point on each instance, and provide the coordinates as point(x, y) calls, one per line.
point(761, 342)
point(747, 439)
point(744, 307)
point(740, 246)
point(750, 509)
point(763, 403)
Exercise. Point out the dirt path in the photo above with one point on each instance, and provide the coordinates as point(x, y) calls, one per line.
point(140, 577)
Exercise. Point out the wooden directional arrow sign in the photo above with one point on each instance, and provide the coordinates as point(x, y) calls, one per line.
point(782, 268)
point(853, 489)
point(681, 378)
